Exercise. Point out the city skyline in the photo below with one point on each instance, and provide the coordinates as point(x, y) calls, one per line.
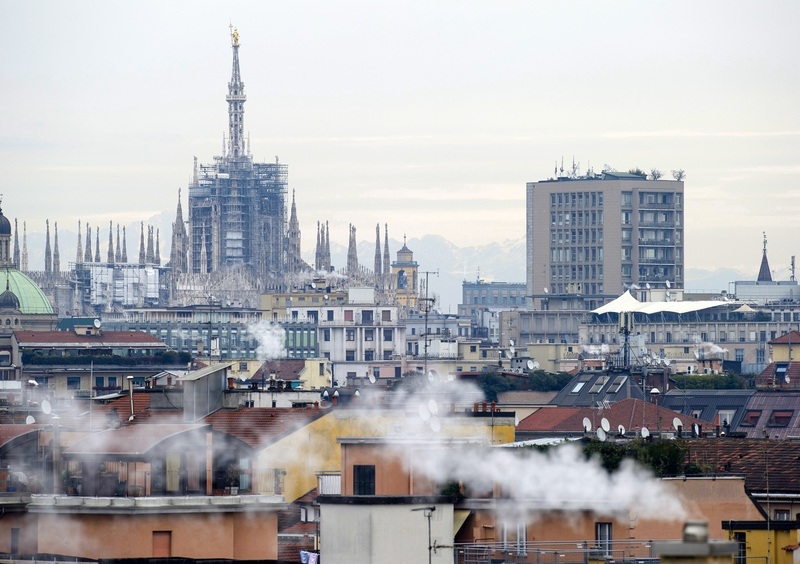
point(430, 118)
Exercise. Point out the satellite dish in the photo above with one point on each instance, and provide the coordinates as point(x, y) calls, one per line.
point(666, 361)
point(697, 355)
point(46, 407)
point(696, 429)
point(677, 423)
point(371, 377)
point(668, 283)
point(511, 342)
point(97, 323)
point(423, 411)
point(645, 432)
point(605, 425)
point(647, 285)
point(601, 435)
point(621, 430)
point(436, 425)
point(29, 420)
point(587, 425)
point(787, 379)
point(433, 376)
point(433, 407)
point(511, 350)
point(546, 291)
point(529, 364)
point(535, 365)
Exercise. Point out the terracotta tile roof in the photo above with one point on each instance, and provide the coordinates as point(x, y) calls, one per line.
point(284, 369)
point(258, 426)
point(790, 338)
point(107, 339)
point(767, 465)
point(631, 413)
point(131, 440)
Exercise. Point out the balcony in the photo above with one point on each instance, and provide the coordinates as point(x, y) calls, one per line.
point(656, 242)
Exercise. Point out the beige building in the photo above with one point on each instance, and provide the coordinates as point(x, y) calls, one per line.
point(590, 237)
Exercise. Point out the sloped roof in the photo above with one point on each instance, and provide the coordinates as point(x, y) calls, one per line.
point(632, 413)
point(708, 402)
point(589, 387)
point(776, 373)
point(768, 402)
point(790, 338)
point(130, 440)
point(205, 371)
point(767, 465)
point(10, 433)
point(288, 369)
point(258, 426)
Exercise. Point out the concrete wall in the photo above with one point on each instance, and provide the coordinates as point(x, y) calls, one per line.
point(384, 534)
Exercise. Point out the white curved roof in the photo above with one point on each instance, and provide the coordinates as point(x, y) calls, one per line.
point(626, 302)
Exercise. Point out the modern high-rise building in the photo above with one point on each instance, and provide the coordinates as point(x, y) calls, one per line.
point(237, 207)
point(589, 238)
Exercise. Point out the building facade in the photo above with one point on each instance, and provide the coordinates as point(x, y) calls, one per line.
point(591, 237)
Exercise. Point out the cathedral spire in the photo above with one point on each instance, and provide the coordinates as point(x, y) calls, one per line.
point(97, 245)
point(88, 256)
point(16, 245)
point(124, 246)
point(203, 255)
point(48, 254)
point(56, 254)
point(178, 257)
point(157, 257)
point(118, 252)
point(150, 257)
point(352, 252)
point(764, 274)
point(378, 262)
point(23, 265)
point(318, 252)
point(293, 240)
point(79, 253)
point(110, 242)
point(141, 246)
point(236, 99)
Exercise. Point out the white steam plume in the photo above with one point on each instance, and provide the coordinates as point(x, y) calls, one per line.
point(271, 340)
point(532, 483)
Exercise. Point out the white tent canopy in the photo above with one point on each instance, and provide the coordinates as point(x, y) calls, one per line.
point(627, 303)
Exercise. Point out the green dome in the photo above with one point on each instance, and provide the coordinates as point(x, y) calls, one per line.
point(30, 295)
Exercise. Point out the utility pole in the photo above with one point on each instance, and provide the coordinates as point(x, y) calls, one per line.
point(427, 512)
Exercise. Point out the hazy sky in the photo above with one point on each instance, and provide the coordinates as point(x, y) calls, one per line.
point(430, 116)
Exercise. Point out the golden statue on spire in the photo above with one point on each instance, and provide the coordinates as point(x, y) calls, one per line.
point(234, 36)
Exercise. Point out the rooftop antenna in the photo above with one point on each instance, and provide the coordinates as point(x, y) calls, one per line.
point(791, 269)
